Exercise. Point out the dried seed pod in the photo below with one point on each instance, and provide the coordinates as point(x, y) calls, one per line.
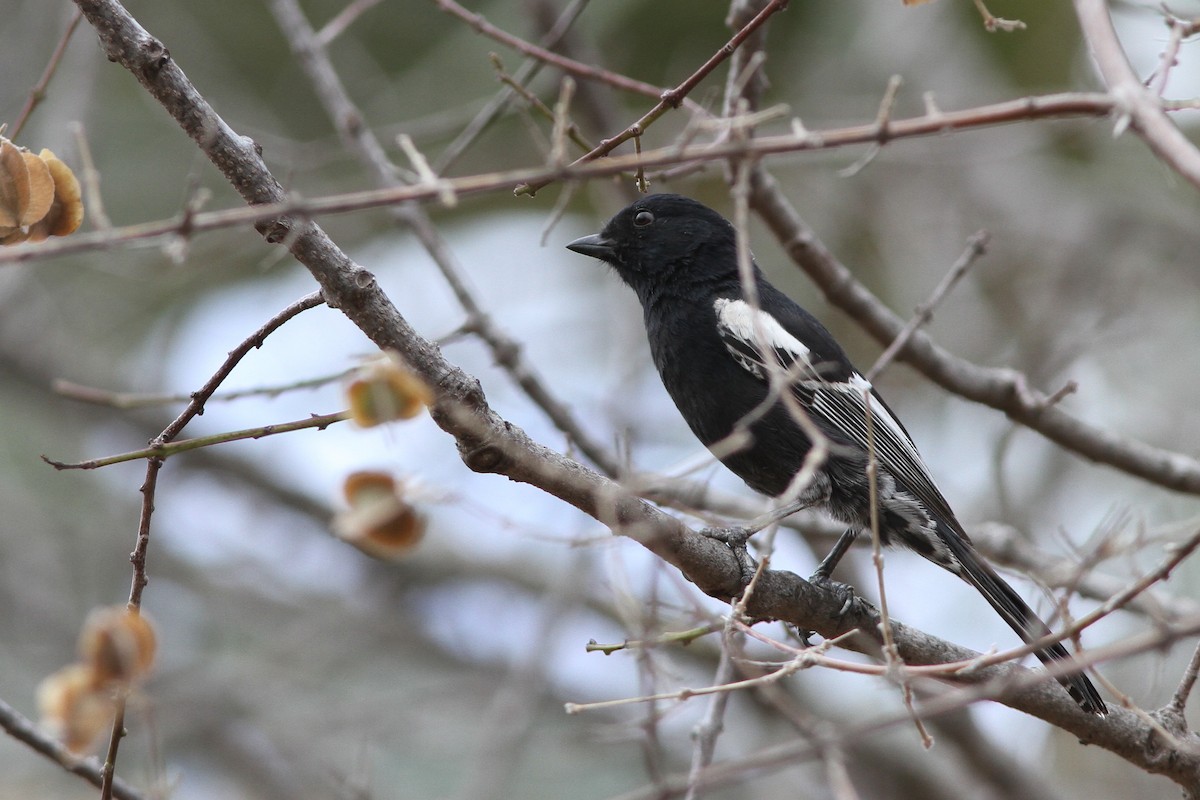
point(73, 708)
point(380, 520)
point(385, 390)
point(117, 644)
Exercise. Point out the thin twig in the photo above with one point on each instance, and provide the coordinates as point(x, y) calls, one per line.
point(784, 670)
point(993, 23)
point(131, 400)
point(709, 728)
point(568, 65)
point(1058, 106)
point(976, 247)
point(38, 92)
point(671, 638)
point(343, 20)
point(1138, 105)
point(91, 180)
point(570, 129)
point(22, 729)
point(883, 118)
point(496, 105)
point(174, 448)
point(670, 99)
point(891, 654)
point(505, 350)
point(1180, 30)
point(1187, 683)
point(153, 464)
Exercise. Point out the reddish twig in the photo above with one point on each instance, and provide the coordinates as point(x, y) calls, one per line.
point(934, 123)
point(492, 109)
point(669, 99)
point(568, 65)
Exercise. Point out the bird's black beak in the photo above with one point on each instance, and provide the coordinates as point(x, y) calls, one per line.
point(596, 246)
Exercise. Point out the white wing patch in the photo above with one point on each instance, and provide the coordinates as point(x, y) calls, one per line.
point(743, 327)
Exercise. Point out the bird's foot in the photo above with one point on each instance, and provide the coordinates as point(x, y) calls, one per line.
point(735, 539)
point(736, 536)
point(844, 591)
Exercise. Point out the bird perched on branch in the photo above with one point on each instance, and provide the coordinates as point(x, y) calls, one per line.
point(770, 392)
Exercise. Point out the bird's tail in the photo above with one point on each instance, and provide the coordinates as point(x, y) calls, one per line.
point(1021, 618)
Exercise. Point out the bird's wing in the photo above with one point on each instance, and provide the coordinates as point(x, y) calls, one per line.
point(837, 398)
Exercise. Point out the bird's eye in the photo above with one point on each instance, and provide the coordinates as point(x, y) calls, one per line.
point(643, 218)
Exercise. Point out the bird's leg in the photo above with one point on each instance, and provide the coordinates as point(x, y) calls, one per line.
point(824, 570)
point(740, 534)
point(829, 563)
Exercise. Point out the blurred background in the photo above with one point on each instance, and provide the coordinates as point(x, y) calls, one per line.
point(293, 666)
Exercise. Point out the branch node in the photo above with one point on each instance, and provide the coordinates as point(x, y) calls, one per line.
point(156, 55)
point(484, 458)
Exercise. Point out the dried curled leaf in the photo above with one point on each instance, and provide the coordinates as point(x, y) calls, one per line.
point(39, 195)
point(380, 521)
point(385, 390)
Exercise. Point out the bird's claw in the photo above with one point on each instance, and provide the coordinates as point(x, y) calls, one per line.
point(735, 539)
point(844, 591)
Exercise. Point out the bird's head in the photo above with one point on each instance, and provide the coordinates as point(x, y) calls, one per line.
point(658, 239)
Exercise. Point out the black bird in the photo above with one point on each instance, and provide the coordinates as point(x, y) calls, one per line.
point(720, 350)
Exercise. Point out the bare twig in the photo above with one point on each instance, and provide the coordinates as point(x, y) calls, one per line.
point(130, 400)
point(494, 107)
point(883, 119)
point(976, 247)
point(153, 465)
point(670, 99)
point(1180, 30)
point(569, 128)
point(38, 92)
point(892, 659)
point(489, 443)
point(1140, 106)
point(1186, 684)
point(91, 180)
point(359, 138)
point(23, 730)
point(710, 727)
point(172, 448)
point(568, 65)
point(343, 20)
point(1030, 108)
point(993, 23)
point(1003, 389)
